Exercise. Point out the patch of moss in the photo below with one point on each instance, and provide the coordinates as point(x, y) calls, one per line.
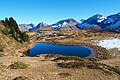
point(18, 65)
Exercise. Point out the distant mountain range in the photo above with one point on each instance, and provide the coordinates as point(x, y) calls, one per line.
point(96, 22)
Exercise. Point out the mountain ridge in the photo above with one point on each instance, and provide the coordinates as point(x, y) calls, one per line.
point(108, 23)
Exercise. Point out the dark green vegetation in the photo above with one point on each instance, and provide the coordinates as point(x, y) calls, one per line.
point(110, 68)
point(18, 65)
point(12, 29)
point(79, 63)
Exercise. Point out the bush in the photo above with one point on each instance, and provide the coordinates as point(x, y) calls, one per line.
point(18, 65)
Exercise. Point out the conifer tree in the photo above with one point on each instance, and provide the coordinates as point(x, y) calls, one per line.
point(13, 29)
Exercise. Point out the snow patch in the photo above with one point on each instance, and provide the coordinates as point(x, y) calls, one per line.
point(100, 19)
point(65, 23)
point(54, 26)
point(110, 43)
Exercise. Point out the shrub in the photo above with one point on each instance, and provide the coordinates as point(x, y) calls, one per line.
point(18, 65)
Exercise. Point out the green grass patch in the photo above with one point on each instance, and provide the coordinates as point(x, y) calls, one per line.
point(18, 65)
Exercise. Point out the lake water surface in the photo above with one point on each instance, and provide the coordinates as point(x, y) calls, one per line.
point(43, 48)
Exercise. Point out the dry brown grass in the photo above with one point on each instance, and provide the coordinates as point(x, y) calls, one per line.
point(40, 69)
point(47, 70)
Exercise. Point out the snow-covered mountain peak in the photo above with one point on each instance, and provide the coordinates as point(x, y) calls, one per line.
point(96, 22)
point(93, 21)
point(26, 27)
point(65, 22)
point(39, 26)
point(97, 18)
point(81, 21)
point(32, 25)
point(42, 24)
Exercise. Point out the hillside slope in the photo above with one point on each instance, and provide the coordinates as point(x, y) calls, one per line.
point(9, 46)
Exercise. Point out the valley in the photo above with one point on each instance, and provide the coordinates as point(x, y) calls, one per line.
point(104, 66)
point(41, 68)
point(60, 40)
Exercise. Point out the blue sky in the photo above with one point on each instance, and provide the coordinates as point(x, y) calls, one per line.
point(51, 11)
